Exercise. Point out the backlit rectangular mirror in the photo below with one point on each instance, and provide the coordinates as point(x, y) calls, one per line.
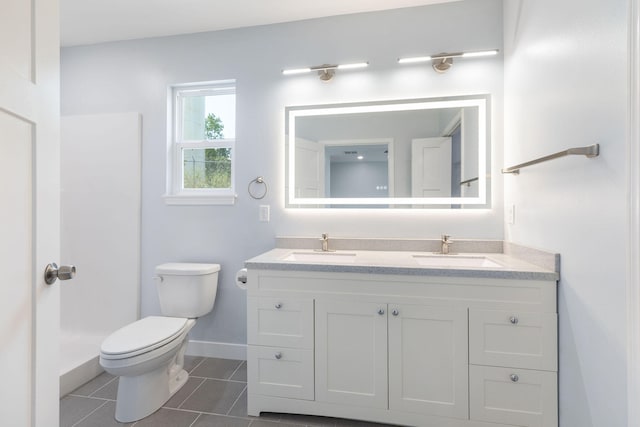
point(417, 153)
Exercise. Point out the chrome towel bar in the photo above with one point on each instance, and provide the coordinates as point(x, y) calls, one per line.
point(469, 181)
point(589, 151)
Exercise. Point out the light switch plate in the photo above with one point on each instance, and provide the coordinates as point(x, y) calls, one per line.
point(265, 213)
point(511, 214)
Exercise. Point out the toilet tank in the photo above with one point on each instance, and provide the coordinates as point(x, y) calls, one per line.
point(187, 289)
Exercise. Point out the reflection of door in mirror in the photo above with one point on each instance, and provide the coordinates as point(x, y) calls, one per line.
point(309, 179)
point(431, 167)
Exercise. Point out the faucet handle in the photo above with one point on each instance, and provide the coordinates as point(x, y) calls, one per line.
point(325, 242)
point(446, 238)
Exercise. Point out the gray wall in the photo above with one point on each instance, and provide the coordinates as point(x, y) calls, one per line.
point(134, 76)
point(559, 94)
point(358, 179)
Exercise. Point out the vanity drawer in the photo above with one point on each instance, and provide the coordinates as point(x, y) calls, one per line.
point(280, 322)
point(281, 372)
point(511, 396)
point(521, 340)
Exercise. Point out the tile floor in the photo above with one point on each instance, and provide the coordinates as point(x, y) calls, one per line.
point(214, 396)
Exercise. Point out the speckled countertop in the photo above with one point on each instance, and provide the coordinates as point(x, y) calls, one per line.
point(507, 260)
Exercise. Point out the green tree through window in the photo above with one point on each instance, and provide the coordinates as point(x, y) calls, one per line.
point(213, 127)
point(218, 160)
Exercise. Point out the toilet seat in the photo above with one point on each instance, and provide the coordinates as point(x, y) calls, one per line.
point(143, 336)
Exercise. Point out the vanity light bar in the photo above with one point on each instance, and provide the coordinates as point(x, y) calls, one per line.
point(325, 67)
point(480, 53)
point(416, 59)
point(353, 66)
point(296, 71)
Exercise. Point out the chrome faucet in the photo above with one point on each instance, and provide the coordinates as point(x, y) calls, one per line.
point(445, 241)
point(325, 242)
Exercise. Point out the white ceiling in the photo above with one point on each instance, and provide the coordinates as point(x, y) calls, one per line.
point(97, 21)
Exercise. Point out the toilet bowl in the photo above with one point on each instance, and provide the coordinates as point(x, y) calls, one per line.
point(148, 355)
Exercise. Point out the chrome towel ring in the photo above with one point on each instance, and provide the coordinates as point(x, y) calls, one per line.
point(258, 180)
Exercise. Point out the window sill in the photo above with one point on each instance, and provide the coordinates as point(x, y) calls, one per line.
point(199, 199)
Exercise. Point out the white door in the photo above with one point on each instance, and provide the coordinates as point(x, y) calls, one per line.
point(431, 167)
point(351, 353)
point(428, 363)
point(309, 169)
point(29, 211)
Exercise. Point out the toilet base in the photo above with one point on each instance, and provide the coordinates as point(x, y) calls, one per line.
point(141, 395)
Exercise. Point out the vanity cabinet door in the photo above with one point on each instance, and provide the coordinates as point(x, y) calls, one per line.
point(351, 353)
point(428, 364)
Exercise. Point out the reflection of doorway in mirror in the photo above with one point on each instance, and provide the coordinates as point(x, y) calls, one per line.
point(456, 164)
point(469, 171)
point(359, 168)
point(463, 129)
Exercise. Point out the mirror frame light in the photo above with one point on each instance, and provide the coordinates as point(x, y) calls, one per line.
point(482, 102)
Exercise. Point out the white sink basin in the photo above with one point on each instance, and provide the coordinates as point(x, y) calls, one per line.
point(321, 257)
point(455, 261)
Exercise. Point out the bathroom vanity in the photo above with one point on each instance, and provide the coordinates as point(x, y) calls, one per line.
point(403, 337)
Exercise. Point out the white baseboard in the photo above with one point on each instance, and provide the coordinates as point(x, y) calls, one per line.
point(217, 349)
point(80, 375)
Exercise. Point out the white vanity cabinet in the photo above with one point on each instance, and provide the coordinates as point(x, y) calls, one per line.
point(417, 350)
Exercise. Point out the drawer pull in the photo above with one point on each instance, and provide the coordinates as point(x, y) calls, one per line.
point(513, 320)
point(278, 355)
point(395, 312)
point(381, 311)
point(514, 378)
point(278, 306)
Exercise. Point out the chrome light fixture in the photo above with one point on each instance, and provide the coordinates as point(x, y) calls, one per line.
point(441, 62)
point(325, 71)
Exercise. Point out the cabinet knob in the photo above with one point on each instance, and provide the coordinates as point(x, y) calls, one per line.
point(513, 320)
point(278, 355)
point(381, 311)
point(395, 312)
point(514, 378)
point(278, 306)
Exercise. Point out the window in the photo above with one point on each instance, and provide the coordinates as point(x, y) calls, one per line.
point(202, 140)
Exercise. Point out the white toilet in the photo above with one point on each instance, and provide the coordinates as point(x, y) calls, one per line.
point(148, 355)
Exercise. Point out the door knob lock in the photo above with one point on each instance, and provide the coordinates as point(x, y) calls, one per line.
point(53, 272)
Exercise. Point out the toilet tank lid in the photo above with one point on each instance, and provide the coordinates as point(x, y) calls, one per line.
point(187, 268)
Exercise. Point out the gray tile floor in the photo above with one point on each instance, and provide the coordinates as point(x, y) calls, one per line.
point(214, 396)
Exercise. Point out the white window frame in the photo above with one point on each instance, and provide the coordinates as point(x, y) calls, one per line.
point(176, 194)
